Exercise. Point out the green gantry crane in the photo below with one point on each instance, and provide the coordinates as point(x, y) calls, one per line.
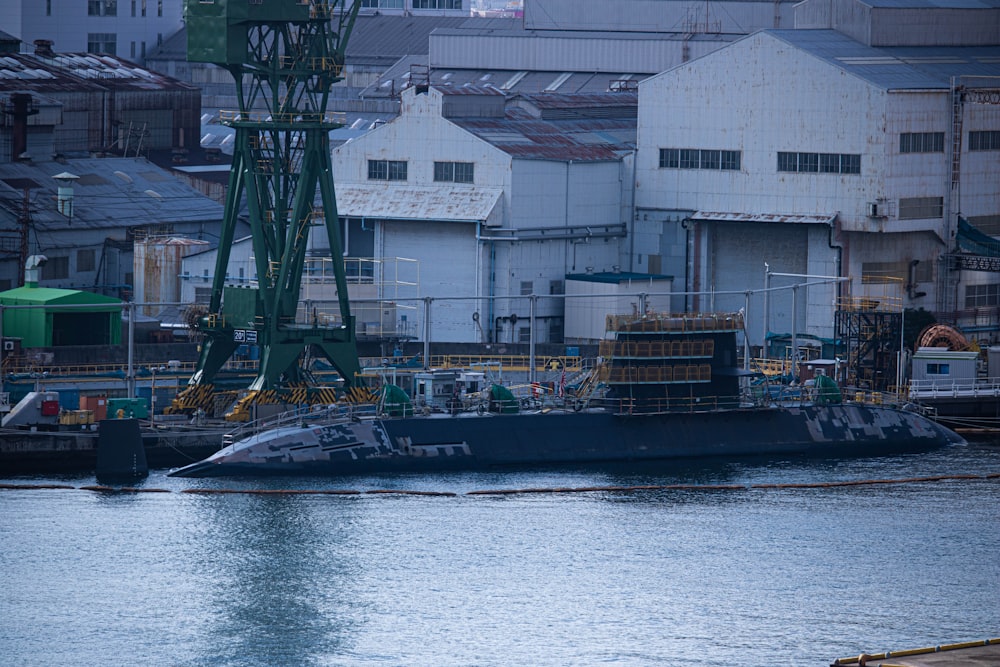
point(284, 56)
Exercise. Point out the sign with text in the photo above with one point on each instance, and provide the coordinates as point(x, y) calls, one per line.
point(245, 336)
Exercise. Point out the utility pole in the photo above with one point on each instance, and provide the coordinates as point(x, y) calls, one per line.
point(23, 225)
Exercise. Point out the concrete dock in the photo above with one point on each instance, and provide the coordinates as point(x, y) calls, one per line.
point(984, 653)
point(41, 452)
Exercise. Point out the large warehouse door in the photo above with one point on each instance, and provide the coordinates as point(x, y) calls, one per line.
point(738, 252)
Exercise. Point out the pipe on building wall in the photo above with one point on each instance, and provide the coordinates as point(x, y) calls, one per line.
point(585, 232)
point(492, 286)
point(686, 225)
point(566, 196)
point(633, 216)
point(834, 242)
point(479, 278)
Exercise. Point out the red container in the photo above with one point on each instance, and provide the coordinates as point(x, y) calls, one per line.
point(96, 404)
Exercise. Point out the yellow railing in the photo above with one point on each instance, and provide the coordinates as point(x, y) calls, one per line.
point(227, 116)
point(312, 64)
point(872, 304)
point(674, 323)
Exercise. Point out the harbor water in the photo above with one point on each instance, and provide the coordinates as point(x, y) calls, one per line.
point(725, 569)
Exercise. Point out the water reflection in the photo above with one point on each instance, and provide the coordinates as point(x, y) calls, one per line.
point(281, 578)
point(647, 577)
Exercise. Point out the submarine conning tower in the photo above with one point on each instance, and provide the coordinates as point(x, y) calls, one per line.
point(661, 362)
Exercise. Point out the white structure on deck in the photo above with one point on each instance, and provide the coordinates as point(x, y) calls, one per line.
point(591, 297)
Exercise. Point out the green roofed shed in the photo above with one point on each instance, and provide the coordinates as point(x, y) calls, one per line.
point(96, 319)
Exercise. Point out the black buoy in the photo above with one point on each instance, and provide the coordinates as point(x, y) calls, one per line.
point(120, 455)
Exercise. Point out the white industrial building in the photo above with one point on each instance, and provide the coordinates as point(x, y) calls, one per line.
point(124, 28)
point(809, 152)
point(497, 201)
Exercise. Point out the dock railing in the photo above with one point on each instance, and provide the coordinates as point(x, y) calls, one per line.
point(955, 388)
point(303, 416)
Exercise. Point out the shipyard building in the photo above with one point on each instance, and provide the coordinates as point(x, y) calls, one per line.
point(761, 142)
point(77, 186)
point(853, 146)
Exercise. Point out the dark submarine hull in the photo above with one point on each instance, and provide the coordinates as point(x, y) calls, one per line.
point(475, 442)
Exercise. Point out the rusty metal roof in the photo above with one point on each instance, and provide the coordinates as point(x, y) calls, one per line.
point(67, 72)
point(414, 202)
point(715, 216)
point(584, 140)
point(468, 90)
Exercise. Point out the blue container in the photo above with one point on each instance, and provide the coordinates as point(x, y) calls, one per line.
point(572, 351)
point(69, 399)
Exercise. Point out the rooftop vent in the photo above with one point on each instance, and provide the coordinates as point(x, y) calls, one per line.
point(43, 48)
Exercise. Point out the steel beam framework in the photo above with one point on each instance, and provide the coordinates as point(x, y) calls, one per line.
point(284, 58)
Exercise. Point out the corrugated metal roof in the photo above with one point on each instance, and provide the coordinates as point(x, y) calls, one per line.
point(515, 28)
point(582, 100)
point(583, 140)
point(716, 216)
point(375, 40)
point(110, 193)
point(415, 202)
point(385, 39)
point(79, 72)
point(397, 77)
point(469, 90)
point(896, 67)
point(925, 4)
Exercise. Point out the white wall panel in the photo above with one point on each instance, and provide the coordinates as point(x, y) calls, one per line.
point(760, 96)
point(567, 53)
point(656, 15)
point(446, 253)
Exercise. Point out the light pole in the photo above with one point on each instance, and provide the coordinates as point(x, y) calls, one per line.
point(152, 389)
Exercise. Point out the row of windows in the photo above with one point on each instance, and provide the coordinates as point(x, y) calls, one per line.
point(933, 142)
point(919, 208)
point(987, 140)
point(102, 42)
point(695, 158)
point(102, 7)
point(57, 268)
point(395, 170)
point(387, 170)
point(982, 296)
point(417, 4)
point(107, 42)
point(823, 163)
point(921, 142)
point(110, 7)
point(455, 172)
point(437, 4)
